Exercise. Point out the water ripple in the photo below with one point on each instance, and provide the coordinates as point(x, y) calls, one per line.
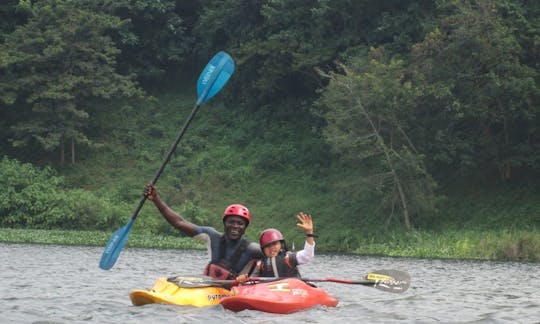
point(62, 284)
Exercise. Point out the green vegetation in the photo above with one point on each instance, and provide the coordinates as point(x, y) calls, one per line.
point(460, 230)
point(405, 129)
point(93, 238)
point(464, 244)
point(484, 245)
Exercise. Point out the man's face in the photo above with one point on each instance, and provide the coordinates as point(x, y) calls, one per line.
point(235, 226)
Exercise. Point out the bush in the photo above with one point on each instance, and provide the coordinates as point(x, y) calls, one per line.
point(37, 198)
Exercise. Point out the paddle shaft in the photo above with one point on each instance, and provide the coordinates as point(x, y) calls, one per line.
point(336, 280)
point(344, 281)
point(168, 157)
point(202, 98)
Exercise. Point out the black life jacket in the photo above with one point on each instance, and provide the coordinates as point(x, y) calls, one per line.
point(219, 267)
point(285, 263)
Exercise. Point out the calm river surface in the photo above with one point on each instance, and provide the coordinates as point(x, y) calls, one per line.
point(63, 284)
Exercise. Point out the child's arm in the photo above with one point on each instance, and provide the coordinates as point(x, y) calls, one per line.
point(308, 252)
point(307, 224)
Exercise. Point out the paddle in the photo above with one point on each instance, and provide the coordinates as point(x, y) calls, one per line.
point(212, 79)
point(386, 280)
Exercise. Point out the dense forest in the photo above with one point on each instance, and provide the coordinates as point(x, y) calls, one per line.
point(375, 116)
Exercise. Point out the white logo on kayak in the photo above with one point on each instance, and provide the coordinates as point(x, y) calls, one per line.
point(299, 292)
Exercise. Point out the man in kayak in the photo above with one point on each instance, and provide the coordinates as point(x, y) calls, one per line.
point(230, 253)
point(277, 260)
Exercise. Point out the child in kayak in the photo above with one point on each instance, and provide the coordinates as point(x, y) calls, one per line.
point(277, 260)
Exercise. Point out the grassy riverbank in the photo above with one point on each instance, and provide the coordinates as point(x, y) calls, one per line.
point(486, 245)
point(94, 238)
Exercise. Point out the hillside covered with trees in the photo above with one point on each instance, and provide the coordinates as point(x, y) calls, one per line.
point(389, 121)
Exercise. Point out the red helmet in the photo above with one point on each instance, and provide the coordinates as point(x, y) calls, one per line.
point(237, 210)
point(269, 236)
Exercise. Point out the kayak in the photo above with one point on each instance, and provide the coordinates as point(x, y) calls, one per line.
point(281, 296)
point(271, 295)
point(166, 292)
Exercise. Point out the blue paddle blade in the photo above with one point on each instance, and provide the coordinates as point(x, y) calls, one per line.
point(214, 76)
point(115, 245)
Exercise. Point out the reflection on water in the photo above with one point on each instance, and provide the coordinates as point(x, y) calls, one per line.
point(63, 284)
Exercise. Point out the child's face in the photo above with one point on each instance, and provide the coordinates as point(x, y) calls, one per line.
point(272, 249)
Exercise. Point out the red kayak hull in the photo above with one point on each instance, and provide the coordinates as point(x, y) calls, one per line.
point(281, 296)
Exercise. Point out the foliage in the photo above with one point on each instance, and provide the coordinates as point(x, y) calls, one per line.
point(55, 68)
point(37, 198)
point(477, 90)
point(453, 85)
point(480, 245)
point(366, 110)
point(278, 43)
point(469, 244)
point(94, 238)
point(155, 36)
point(12, 13)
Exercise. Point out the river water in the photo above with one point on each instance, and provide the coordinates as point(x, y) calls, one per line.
point(63, 284)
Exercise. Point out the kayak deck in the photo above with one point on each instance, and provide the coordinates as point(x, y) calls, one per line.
point(281, 296)
point(165, 292)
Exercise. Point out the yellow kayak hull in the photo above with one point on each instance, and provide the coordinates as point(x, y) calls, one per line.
point(165, 292)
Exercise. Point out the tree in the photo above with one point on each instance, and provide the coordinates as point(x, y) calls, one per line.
point(156, 36)
point(278, 43)
point(365, 106)
point(56, 67)
point(11, 15)
point(479, 91)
